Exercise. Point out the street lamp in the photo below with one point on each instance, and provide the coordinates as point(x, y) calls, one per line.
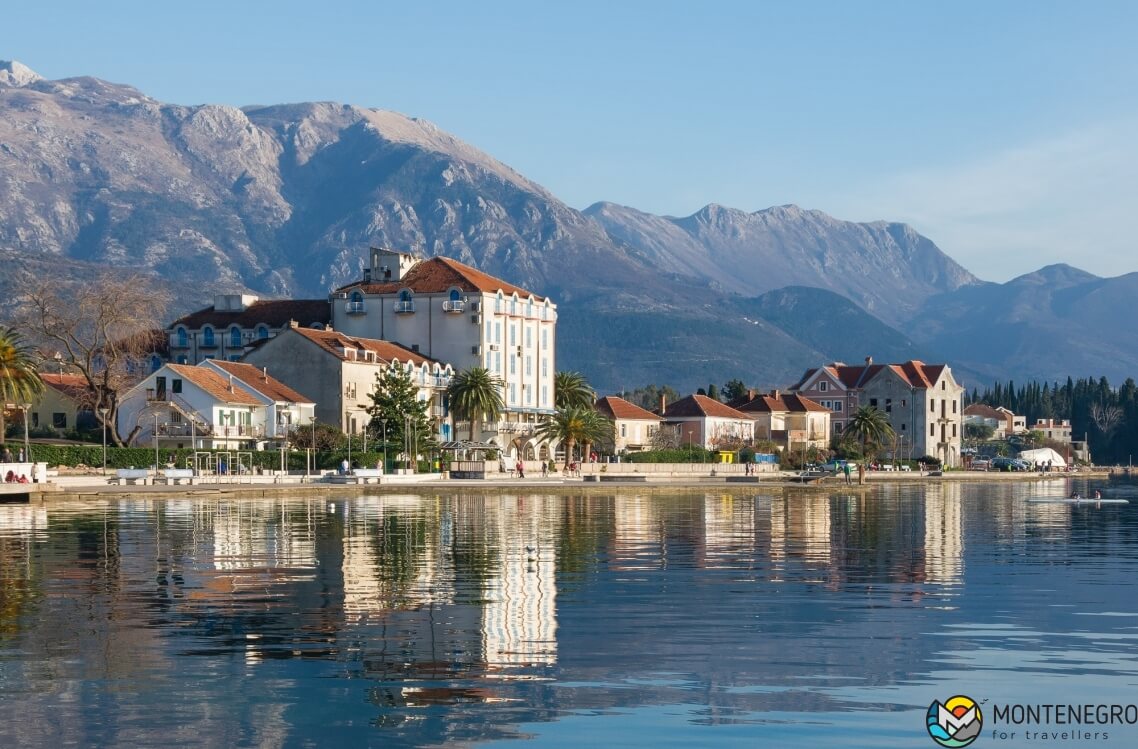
point(312, 447)
point(27, 443)
point(155, 443)
point(103, 414)
point(383, 423)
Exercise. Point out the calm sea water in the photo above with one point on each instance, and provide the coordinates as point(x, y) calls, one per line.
point(661, 618)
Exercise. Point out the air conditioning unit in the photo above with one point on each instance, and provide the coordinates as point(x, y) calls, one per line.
point(494, 347)
point(476, 306)
point(340, 295)
point(476, 319)
point(476, 350)
point(519, 350)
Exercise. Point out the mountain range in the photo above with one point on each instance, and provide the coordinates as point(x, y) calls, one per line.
point(284, 201)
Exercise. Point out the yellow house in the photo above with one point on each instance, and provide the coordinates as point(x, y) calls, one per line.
point(64, 404)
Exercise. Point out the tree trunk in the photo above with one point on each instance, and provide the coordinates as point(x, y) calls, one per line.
point(568, 453)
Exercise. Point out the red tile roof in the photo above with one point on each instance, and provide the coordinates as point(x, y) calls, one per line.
point(701, 406)
point(335, 342)
point(986, 411)
point(782, 402)
point(257, 379)
point(914, 373)
point(440, 274)
point(275, 313)
point(73, 386)
point(215, 384)
point(618, 408)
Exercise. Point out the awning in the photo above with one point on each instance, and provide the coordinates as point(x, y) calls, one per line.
point(460, 445)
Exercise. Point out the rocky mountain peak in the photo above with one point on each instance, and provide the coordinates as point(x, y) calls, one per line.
point(13, 73)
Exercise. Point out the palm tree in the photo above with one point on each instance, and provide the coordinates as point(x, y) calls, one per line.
point(871, 426)
point(575, 424)
point(572, 389)
point(19, 375)
point(475, 394)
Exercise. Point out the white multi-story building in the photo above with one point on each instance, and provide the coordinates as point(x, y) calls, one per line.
point(454, 313)
point(236, 323)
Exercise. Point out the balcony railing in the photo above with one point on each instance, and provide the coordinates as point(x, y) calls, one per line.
point(454, 306)
point(404, 308)
point(184, 429)
point(354, 308)
point(153, 395)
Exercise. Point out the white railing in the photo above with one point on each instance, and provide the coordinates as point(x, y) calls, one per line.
point(354, 308)
point(454, 306)
point(403, 308)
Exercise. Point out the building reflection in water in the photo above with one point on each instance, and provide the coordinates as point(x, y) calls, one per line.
point(944, 535)
point(801, 527)
point(519, 619)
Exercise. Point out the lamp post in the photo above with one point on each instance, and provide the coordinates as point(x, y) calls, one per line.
point(103, 414)
point(155, 443)
point(312, 447)
point(27, 443)
point(383, 424)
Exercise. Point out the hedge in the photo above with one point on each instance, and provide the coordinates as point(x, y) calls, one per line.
point(143, 457)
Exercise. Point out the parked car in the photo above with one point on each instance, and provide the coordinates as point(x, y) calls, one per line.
point(981, 464)
point(1009, 464)
point(838, 466)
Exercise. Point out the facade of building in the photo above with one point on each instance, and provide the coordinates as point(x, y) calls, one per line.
point(1002, 421)
point(339, 371)
point(634, 428)
point(703, 421)
point(1056, 430)
point(452, 312)
point(923, 403)
point(793, 422)
point(236, 323)
point(192, 407)
point(283, 408)
point(64, 404)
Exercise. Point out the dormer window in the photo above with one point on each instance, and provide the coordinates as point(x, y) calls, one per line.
point(454, 304)
point(262, 332)
point(406, 303)
point(183, 337)
point(207, 337)
point(355, 305)
point(235, 337)
point(823, 386)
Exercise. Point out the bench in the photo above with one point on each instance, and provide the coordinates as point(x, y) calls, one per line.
point(366, 475)
point(130, 476)
point(176, 476)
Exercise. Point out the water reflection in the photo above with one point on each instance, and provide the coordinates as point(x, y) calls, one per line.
point(421, 620)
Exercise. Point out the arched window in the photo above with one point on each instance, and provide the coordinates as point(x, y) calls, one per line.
point(455, 295)
point(207, 337)
point(262, 332)
point(183, 337)
point(404, 295)
point(406, 302)
point(235, 337)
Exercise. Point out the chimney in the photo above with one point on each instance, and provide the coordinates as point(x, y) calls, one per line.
point(776, 395)
point(293, 324)
point(231, 383)
point(868, 361)
point(750, 394)
point(663, 405)
point(265, 373)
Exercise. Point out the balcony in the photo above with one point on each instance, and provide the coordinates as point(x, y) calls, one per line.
point(404, 308)
point(454, 306)
point(240, 430)
point(354, 308)
point(184, 429)
point(155, 396)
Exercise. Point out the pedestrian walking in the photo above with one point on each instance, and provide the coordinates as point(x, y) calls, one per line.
point(846, 471)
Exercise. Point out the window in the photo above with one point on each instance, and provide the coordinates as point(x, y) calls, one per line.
point(235, 337)
point(902, 427)
point(623, 431)
point(513, 365)
point(455, 295)
point(183, 337)
point(262, 332)
point(513, 335)
point(837, 407)
point(953, 430)
point(932, 405)
point(904, 403)
point(837, 427)
point(513, 392)
point(529, 337)
point(544, 338)
point(207, 337)
point(932, 430)
point(944, 385)
point(160, 388)
point(176, 386)
point(497, 332)
point(954, 406)
point(529, 368)
point(59, 420)
point(544, 367)
point(544, 396)
point(888, 405)
point(823, 386)
point(873, 403)
point(35, 418)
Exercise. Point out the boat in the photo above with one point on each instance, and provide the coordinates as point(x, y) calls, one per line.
point(1080, 501)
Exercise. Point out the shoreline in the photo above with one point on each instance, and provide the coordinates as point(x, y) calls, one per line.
point(87, 488)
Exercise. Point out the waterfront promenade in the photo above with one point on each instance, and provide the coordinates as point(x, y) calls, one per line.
point(65, 488)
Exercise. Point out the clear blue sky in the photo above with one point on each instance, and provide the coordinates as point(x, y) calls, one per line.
point(1006, 132)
